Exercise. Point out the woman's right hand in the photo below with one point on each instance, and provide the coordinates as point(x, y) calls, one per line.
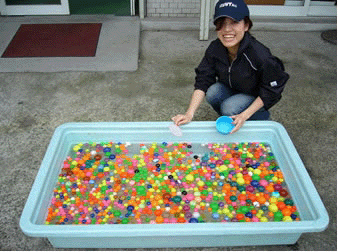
point(182, 119)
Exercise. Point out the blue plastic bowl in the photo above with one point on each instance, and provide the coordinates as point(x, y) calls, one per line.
point(224, 124)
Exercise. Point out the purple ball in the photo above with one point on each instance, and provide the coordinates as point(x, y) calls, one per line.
point(186, 208)
point(188, 215)
point(250, 188)
point(278, 187)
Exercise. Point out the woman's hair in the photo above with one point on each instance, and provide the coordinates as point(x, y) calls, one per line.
point(219, 22)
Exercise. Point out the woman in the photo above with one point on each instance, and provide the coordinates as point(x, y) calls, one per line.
point(238, 76)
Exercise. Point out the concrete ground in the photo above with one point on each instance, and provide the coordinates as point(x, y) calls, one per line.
point(119, 40)
point(34, 104)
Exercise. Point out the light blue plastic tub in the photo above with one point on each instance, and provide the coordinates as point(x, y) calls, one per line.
point(314, 217)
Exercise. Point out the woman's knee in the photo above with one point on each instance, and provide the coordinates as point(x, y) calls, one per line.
point(236, 104)
point(230, 109)
point(213, 92)
point(217, 93)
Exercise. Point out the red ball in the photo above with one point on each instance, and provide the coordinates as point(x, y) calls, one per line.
point(283, 193)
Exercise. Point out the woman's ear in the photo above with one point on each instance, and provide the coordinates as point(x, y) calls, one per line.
point(246, 26)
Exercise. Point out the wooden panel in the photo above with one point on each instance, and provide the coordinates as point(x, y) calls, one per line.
point(265, 2)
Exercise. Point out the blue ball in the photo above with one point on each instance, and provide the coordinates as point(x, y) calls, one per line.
point(249, 215)
point(193, 220)
point(254, 183)
point(106, 149)
point(130, 208)
point(212, 165)
point(293, 216)
point(215, 216)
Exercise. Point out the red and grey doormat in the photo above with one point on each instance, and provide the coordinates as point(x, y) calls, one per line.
point(54, 40)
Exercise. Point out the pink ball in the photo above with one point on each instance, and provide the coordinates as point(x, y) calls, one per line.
point(190, 197)
point(263, 182)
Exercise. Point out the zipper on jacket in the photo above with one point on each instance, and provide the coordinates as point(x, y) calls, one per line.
point(229, 71)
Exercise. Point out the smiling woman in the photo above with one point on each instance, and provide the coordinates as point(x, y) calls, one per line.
point(231, 32)
point(238, 76)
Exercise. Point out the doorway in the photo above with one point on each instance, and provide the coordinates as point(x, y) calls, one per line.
point(116, 7)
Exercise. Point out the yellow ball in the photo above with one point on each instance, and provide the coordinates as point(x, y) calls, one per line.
point(257, 171)
point(240, 181)
point(287, 219)
point(273, 200)
point(273, 208)
point(226, 211)
point(189, 178)
point(200, 183)
point(223, 168)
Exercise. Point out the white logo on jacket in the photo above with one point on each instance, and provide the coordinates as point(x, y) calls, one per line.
point(273, 83)
point(228, 4)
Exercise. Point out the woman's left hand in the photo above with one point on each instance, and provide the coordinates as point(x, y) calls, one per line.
point(239, 120)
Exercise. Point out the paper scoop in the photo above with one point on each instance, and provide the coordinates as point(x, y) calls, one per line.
point(175, 130)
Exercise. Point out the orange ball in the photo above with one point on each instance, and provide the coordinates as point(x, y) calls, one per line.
point(281, 205)
point(159, 219)
point(240, 216)
point(286, 212)
point(158, 212)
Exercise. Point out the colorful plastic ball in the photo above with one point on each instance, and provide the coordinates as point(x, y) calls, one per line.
point(283, 193)
point(289, 202)
point(193, 220)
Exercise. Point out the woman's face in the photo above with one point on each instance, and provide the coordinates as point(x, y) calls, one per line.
point(232, 33)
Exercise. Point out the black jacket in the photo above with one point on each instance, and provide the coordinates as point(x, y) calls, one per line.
point(255, 71)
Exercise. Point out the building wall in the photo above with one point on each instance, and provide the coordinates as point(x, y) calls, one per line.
point(173, 8)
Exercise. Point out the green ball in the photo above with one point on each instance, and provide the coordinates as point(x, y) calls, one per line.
point(117, 213)
point(214, 206)
point(141, 190)
point(233, 198)
point(177, 199)
point(256, 177)
point(278, 216)
point(244, 209)
point(289, 202)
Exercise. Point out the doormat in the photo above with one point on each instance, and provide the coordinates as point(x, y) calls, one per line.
point(54, 40)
